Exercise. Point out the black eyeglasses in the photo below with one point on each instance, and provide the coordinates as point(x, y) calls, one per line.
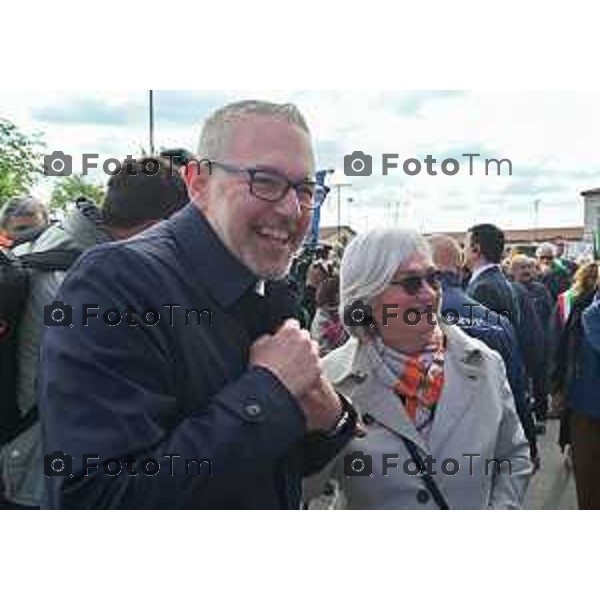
point(413, 283)
point(272, 186)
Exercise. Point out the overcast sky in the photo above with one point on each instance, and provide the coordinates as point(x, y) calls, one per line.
point(551, 138)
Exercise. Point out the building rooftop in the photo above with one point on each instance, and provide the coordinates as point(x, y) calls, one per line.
point(543, 234)
point(593, 192)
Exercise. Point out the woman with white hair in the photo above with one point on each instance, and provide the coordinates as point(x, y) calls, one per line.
point(439, 426)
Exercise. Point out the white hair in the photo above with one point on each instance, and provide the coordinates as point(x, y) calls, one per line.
point(371, 261)
point(217, 128)
point(546, 249)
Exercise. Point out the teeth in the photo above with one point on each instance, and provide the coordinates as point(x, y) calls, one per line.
point(280, 236)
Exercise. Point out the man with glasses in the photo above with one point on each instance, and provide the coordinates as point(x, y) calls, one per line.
point(553, 274)
point(225, 410)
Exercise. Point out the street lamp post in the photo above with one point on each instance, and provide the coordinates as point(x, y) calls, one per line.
point(151, 117)
point(350, 201)
point(339, 187)
point(536, 205)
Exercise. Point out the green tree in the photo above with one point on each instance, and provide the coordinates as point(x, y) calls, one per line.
point(68, 189)
point(20, 161)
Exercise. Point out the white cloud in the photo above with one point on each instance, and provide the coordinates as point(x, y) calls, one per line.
point(551, 138)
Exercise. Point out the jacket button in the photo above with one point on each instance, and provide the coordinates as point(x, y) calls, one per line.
point(367, 419)
point(360, 377)
point(423, 497)
point(253, 410)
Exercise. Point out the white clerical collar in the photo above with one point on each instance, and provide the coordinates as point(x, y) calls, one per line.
point(260, 288)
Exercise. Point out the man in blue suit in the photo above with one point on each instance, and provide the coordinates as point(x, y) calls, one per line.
point(488, 285)
point(484, 324)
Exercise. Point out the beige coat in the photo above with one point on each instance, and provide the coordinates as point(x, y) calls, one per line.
point(476, 416)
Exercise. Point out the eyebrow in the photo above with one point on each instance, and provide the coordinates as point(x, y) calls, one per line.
point(275, 171)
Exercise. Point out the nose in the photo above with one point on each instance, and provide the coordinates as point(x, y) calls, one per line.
point(427, 293)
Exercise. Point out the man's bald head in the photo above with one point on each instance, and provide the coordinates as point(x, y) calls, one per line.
point(446, 252)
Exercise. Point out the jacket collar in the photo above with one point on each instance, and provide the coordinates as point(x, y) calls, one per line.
point(352, 362)
point(209, 263)
point(350, 370)
point(487, 270)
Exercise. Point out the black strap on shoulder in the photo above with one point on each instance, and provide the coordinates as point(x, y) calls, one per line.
point(430, 484)
point(51, 260)
point(428, 480)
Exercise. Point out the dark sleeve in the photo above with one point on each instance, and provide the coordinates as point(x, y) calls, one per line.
point(319, 450)
point(591, 325)
point(515, 370)
point(104, 390)
point(486, 295)
point(548, 300)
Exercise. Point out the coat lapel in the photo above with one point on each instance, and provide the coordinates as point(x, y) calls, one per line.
point(356, 377)
point(462, 372)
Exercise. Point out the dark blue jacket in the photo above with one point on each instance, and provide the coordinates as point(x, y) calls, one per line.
point(495, 331)
point(584, 392)
point(175, 392)
point(534, 327)
point(494, 291)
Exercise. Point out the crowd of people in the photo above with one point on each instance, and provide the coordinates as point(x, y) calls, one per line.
point(403, 371)
point(529, 310)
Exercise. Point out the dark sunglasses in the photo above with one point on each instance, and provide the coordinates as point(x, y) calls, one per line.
point(413, 283)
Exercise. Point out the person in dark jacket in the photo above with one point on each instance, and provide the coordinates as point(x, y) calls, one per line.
point(538, 297)
point(187, 373)
point(489, 285)
point(566, 332)
point(486, 325)
point(132, 203)
point(484, 248)
point(578, 378)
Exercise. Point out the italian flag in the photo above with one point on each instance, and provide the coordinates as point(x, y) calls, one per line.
point(565, 303)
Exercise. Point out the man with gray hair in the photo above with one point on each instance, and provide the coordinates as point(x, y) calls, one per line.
point(208, 395)
point(23, 219)
point(541, 306)
point(553, 274)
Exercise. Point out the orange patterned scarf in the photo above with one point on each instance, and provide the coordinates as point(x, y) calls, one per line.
point(420, 380)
